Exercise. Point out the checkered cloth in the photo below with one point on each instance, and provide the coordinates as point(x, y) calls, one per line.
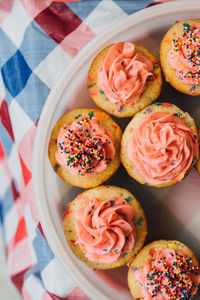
point(39, 39)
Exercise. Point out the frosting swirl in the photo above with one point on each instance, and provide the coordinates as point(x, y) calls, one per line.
point(122, 75)
point(170, 276)
point(85, 147)
point(162, 148)
point(105, 229)
point(184, 55)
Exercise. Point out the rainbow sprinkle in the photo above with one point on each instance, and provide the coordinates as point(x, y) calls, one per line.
point(83, 152)
point(188, 45)
point(128, 199)
point(173, 279)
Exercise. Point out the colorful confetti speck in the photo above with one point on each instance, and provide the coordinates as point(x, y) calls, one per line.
point(91, 114)
point(128, 199)
point(133, 269)
point(193, 89)
point(152, 77)
point(148, 110)
point(166, 104)
point(101, 92)
point(93, 93)
point(121, 109)
point(178, 114)
point(152, 252)
point(139, 221)
point(56, 167)
point(90, 78)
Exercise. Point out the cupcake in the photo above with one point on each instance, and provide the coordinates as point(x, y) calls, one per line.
point(84, 147)
point(180, 56)
point(124, 78)
point(164, 270)
point(105, 227)
point(160, 145)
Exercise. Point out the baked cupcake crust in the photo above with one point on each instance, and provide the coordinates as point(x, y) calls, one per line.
point(149, 252)
point(104, 193)
point(169, 72)
point(156, 107)
point(198, 166)
point(98, 178)
point(150, 94)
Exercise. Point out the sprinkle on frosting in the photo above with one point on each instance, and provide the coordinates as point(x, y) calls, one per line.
point(170, 276)
point(162, 148)
point(133, 269)
point(91, 114)
point(184, 55)
point(123, 74)
point(101, 92)
point(85, 147)
point(105, 229)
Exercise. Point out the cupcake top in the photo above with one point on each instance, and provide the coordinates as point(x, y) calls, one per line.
point(170, 276)
point(122, 74)
point(162, 148)
point(105, 229)
point(184, 55)
point(85, 147)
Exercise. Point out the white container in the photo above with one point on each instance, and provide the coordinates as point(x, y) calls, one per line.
point(172, 213)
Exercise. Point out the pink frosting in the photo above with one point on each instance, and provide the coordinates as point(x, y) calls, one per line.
point(105, 229)
point(170, 276)
point(122, 75)
point(85, 147)
point(162, 148)
point(184, 55)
